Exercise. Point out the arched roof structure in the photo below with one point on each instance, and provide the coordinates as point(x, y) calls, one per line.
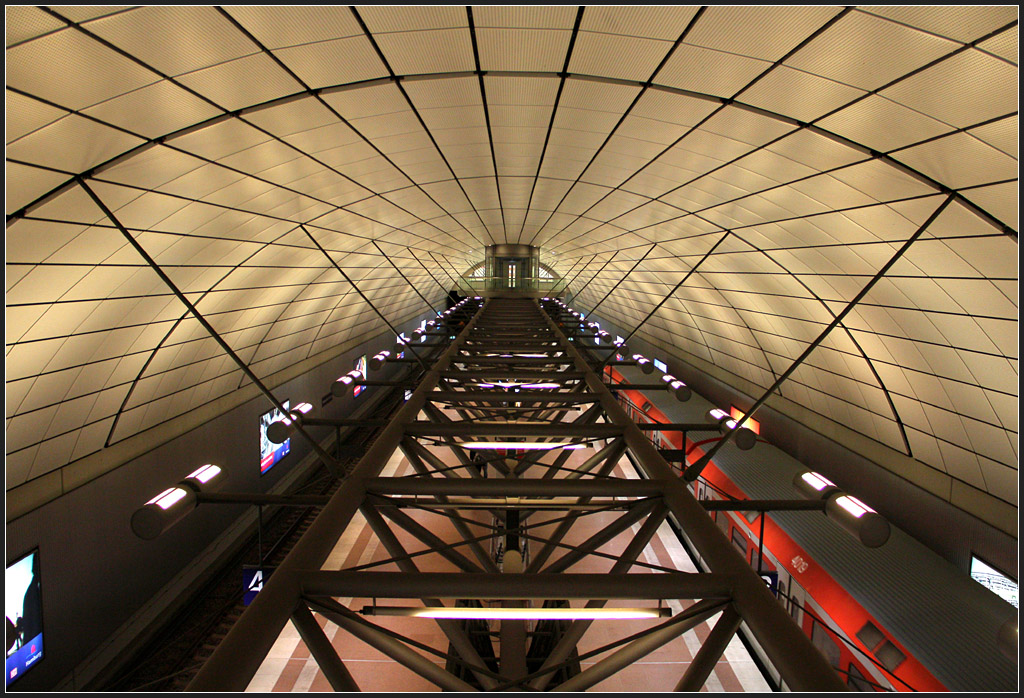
point(278, 166)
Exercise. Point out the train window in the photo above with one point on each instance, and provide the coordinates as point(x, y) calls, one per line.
point(722, 519)
point(890, 656)
point(822, 639)
point(739, 540)
point(766, 564)
point(794, 608)
point(870, 636)
point(856, 680)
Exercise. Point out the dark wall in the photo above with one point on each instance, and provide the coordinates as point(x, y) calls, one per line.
point(96, 574)
point(950, 532)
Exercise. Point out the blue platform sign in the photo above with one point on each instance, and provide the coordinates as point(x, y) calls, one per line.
point(771, 579)
point(253, 579)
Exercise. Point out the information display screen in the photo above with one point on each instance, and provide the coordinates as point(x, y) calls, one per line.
point(360, 365)
point(271, 453)
point(994, 580)
point(24, 608)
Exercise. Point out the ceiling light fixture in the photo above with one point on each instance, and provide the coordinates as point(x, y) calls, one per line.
point(745, 438)
point(520, 445)
point(856, 517)
point(505, 613)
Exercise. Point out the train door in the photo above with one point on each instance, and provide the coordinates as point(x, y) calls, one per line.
point(797, 599)
point(784, 583)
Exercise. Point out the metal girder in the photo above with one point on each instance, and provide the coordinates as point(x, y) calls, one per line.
point(527, 373)
point(600, 431)
point(476, 585)
point(242, 651)
point(639, 511)
point(456, 635)
point(643, 646)
point(419, 531)
point(799, 663)
point(710, 652)
point(479, 396)
point(515, 487)
point(520, 492)
point(322, 650)
point(398, 651)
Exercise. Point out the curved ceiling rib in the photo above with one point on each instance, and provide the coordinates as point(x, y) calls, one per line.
point(185, 314)
point(871, 153)
point(853, 340)
point(819, 136)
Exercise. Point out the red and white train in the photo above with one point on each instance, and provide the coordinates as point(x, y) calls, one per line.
point(894, 619)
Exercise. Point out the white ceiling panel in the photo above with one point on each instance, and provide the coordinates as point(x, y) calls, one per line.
point(958, 22)
point(72, 70)
point(708, 71)
point(175, 40)
point(72, 144)
point(428, 51)
point(616, 56)
point(882, 124)
point(522, 50)
point(799, 95)
point(276, 26)
point(1003, 44)
point(228, 85)
point(986, 88)
point(25, 115)
point(265, 117)
point(330, 63)
point(868, 52)
point(766, 33)
point(665, 23)
point(961, 160)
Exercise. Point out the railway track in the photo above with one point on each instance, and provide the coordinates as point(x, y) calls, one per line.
point(169, 660)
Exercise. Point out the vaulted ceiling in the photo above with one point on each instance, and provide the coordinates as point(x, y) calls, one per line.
point(274, 165)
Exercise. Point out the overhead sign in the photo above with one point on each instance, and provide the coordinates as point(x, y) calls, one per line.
point(253, 579)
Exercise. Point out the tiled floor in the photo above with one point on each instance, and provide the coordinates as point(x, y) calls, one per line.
point(288, 667)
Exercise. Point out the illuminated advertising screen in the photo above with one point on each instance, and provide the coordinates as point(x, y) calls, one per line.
point(271, 453)
point(660, 365)
point(360, 365)
point(24, 607)
point(994, 580)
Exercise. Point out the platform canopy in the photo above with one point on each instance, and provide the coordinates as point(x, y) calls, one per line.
point(247, 159)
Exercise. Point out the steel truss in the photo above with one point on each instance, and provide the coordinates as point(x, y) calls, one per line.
point(513, 510)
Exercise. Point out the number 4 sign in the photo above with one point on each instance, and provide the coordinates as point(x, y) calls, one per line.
point(252, 582)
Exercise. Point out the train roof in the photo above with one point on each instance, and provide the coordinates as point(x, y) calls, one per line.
point(947, 620)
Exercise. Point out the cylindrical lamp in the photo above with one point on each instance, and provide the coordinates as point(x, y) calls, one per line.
point(814, 486)
point(281, 430)
point(163, 511)
point(745, 439)
point(378, 360)
point(343, 386)
point(205, 479)
point(863, 522)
